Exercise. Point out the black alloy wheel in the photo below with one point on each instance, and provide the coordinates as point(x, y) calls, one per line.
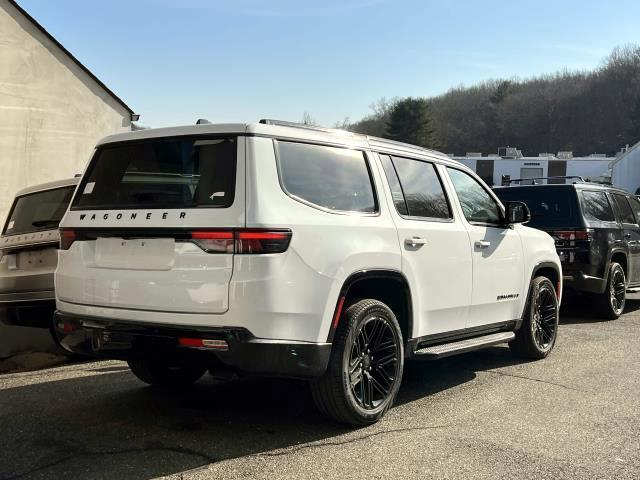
point(365, 368)
point(373, 362)
point(617, 291)
point(545, 316)
point(537, 335)
point(612, 301)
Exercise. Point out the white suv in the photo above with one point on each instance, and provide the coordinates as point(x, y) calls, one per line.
point(284, 250)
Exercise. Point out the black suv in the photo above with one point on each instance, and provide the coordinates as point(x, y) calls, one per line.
point(595, 228)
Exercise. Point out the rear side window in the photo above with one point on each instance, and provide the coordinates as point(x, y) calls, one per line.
point(626, 214)
point(161, 173)
point(394, 185)
point(334, 178)
point(596, 206)
point(38, 211)
point(635, 206)
point(422, 188)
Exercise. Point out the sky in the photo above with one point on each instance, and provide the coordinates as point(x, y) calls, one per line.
point(174, 61)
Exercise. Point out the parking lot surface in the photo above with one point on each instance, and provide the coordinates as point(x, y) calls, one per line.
point(480, 415)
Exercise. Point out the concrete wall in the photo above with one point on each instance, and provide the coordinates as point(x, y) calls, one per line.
point(51, 111)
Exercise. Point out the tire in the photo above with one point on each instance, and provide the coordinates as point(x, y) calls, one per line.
point(160, 374)
point(359, 387)
point(537, 335)
point(612, 301)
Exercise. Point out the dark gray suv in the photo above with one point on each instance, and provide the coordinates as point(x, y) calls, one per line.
point(597, 235)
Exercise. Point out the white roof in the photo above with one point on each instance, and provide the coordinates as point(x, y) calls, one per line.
point(67, 182)
point(311, 134)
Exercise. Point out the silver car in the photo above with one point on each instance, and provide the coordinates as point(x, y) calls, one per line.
point(28, 253)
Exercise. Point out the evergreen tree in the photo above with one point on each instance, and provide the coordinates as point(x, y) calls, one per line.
point(634, 122)
point(410, 121)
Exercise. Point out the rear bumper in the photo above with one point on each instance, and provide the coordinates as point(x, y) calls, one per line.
point(27, 309)
point(581, 282)
point(124, 340)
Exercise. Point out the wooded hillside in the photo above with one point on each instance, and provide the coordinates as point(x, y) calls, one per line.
point(585, 112)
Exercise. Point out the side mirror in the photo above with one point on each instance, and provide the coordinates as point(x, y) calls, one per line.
point(517, 212)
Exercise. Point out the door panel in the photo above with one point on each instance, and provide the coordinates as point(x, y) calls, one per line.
point(498, 267)
point(436, 256)
point(441, 273)
point(498, 272)
point(627, 209)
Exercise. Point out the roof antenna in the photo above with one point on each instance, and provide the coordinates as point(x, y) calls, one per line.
point(203, 121)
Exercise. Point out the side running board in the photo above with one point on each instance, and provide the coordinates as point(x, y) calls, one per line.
point(462, 346)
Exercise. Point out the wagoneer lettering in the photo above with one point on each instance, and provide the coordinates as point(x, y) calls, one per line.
point(134, 215)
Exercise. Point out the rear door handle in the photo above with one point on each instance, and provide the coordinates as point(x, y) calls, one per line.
point(415, 241)
point(627, 236)
point(482, 244)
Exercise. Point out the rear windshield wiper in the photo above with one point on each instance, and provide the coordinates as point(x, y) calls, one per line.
point(45, 223)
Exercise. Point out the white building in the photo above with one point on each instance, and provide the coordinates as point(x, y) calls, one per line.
point(625, 170)
point(52, 108)
point(512, 164)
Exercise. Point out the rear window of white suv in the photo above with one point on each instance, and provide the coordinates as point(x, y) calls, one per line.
point(177, 172)
point(336, 179)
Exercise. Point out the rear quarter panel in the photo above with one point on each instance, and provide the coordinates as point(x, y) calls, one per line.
point(295, 294)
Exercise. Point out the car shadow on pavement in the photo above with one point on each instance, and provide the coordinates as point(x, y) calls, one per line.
point(582, 309)
point(424, 378)
point(109, 425)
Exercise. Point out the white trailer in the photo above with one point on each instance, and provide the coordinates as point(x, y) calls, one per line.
point(493, 168)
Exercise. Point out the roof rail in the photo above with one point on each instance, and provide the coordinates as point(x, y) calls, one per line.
point(401, 144)
point(533, 179)
point(284, 123)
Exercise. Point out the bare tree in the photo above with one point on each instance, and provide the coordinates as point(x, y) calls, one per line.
point(307, 119)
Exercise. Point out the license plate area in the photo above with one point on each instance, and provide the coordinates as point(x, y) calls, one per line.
point(135, 254)
point(107, 340)
point(35, 259)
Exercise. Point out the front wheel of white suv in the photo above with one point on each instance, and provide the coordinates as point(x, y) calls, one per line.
point(365, 367)
point(537, 334)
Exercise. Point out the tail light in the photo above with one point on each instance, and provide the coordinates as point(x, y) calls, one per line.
point(567, 238)
point(262, 241)
point(214, 241)
point(66, 327)
point(203, 343)
point(242, 241)
point(67, 237)
point(246, 241)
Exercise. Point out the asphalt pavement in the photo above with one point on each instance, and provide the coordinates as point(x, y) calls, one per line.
point(483, 415)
